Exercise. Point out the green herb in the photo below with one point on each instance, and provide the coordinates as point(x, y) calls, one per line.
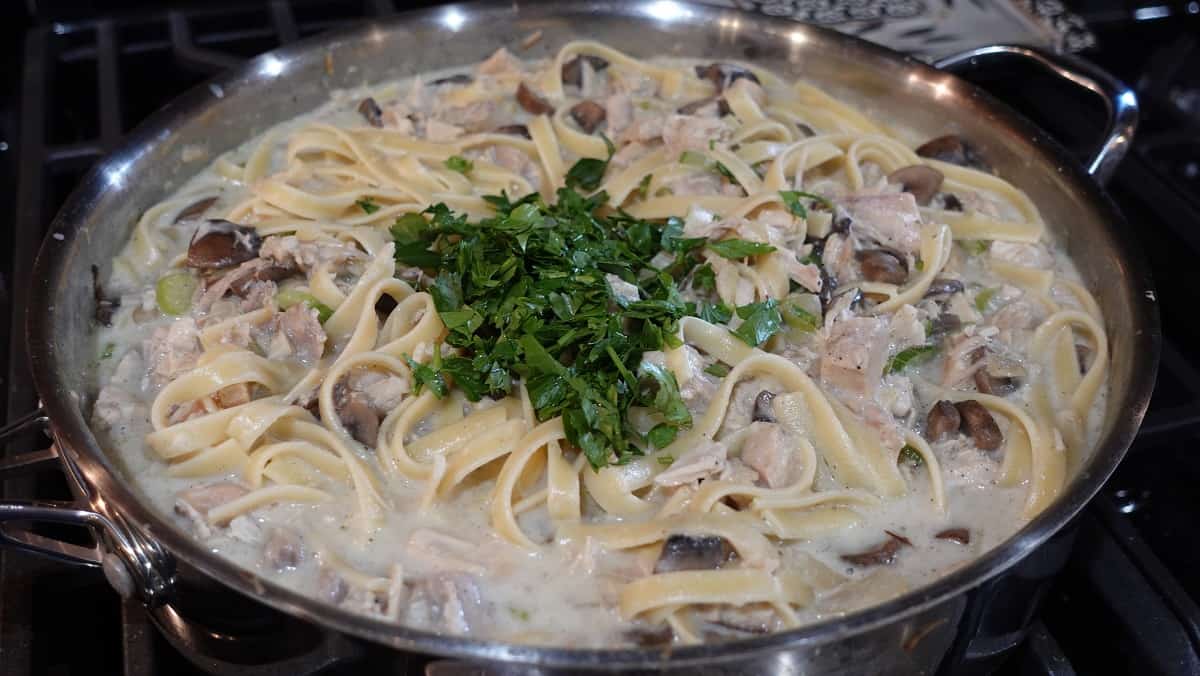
point(108, 351)
point(644, 185)
point(712, 144)
point(588, 173)
point(367, 205)
point(662, 435)
point(724, 171)
point(460, 164)
point(739, 248)
point(519, 613)
point(984, 297)
point(760, 322)
point(791, 199)
point(714, 313)
point(666, 460)
point(911, 456)
point(704, 278)
point(429, 375)
point(289, 297)
point(975, 247)
point(174, 292)
point(523, 295)
point(904, 358)
point(919, 265)
point(717, 369)
point(798, 312)
point(693, 159)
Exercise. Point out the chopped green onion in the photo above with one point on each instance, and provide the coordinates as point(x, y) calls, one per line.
point(919, 265)
point(519, 613)
point(289, 297)
point(975, 247)
point(174, 292)
point(693, 158)
point(911, 456)
point(717, 369)
point(802, 311)
point(367, 205)
point(791, 199)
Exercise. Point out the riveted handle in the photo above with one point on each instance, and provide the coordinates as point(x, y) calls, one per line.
point(1120, 102)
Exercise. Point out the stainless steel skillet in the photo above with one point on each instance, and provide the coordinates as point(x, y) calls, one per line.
point(145, 555)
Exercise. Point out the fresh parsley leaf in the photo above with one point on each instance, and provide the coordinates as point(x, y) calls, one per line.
point(662, 435)
point(911, 456)
point(367, 205)
point(760, 322)
point(429, 375)
point(975, 247)
point(644, 185)
point(799, 318)
point(724, 171)
point(791, 199)
point(411, 227)
point(659, 391)
point(460, 164)
point(704, 278)
point(717, 369)
point(739, 248)
point(714, 313)
point(907, 357)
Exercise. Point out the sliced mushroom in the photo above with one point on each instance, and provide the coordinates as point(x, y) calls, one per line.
point(960, 535)
point(805, 130)
point(656, 636)
point(694, 552)
point(943, 324)
point(950, 202)
point(513, 130)
point(1083, 354)
point(532, 103)
point(331, 586)
point(724, 74)
point(954, 149)
point(840, 225)
point(763, 411)
point(943, 421)
point(360, 420)
point(371, 112)
point(283, 549)
point(588, 115)
point(942, 286)
point(922, 180)
point(882, 555)
point(572, 71)
point(696, 106)
point(978, 423)
point(457, 79)
point(881, 265)
point(222, 244)
point(196, 209)
point(105, 307)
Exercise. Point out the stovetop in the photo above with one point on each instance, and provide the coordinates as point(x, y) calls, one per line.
point(73, 80)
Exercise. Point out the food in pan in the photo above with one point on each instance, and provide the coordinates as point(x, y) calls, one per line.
point(596, 351)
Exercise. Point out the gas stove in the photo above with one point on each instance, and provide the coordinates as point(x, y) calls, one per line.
point(77, 79)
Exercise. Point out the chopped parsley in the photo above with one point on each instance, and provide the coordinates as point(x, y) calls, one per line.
point(911, 456)
point(704, 278)
point(903, 359)
point(108, 351)
point(666, 460)
point(791, 200)
point(717, 369)
point(289, 297)
point(799, 318)
point(519, 613)
point(760, 322)
point(644, 185)
point(739, 248)
point(975, 247)
point(368, 205)
point(524, 296)
point(693, 159)
point(460, 164)
point(588, 173)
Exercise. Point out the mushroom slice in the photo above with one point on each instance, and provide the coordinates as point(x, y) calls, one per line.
point(922, 180)
point(572, 71)
point(943, 286)
point(371, 112)
point(763, 411)
point(694, 552)
point(196, 209)
point(882, 555)
point(456, 79)
point(588, 115)
point(978, 423)
point(222, 244)
point(531, 102)
point(943, 421)
point(646, 636)
point(881, 265)
point(960, 535)
point(722, 75)
point(513, 130)
point(954, 149)
point(284, 549)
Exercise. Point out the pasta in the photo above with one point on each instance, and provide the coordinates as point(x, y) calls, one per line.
point(744, 346)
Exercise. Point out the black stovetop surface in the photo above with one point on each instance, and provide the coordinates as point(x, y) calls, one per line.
point(73, 79)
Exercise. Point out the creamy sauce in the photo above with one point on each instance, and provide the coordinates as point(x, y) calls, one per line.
point(446, 567)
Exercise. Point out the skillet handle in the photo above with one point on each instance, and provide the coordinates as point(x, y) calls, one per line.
point(1120, 102)
point(133, 564)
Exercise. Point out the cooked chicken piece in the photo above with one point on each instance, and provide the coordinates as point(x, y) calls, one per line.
point(618, 112)
point(452, 603)
point(440, 552)
point(807, 275)
point(442, 132)
point(890, 219)
point(838, 259)
point(116, 408)
point(763, 450)
point(690, 132)
point(500, 62)
point(283, 549)
point(628, 154)
point(172, 349)
point(307, 254)
point(300, 326)
point(855, 353)
point(705, 459)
